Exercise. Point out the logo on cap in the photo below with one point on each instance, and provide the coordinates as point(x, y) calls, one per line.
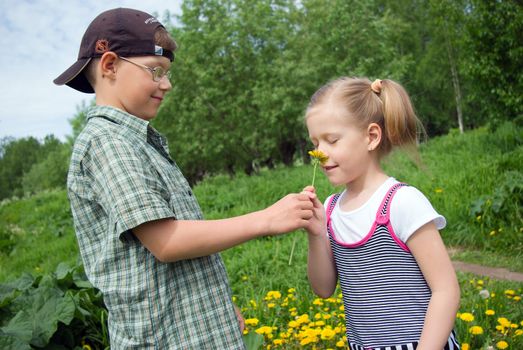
point(101, 46)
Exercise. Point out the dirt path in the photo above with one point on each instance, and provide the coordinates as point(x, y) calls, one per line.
point(492, 272)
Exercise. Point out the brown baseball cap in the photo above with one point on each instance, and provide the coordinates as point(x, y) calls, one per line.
point(124, 31)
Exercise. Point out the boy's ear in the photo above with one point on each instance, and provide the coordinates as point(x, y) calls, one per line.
point(374, 134)
point(108, 64)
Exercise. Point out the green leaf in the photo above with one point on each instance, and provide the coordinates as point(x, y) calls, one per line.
point(11, 342)
point(253, 341)
point(20, 326)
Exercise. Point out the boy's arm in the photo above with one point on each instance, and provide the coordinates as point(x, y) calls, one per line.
point(429, 251)
point(171, 240)
point(321, 270)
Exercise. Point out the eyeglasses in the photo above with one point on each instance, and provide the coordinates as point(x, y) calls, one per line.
point(157, 72)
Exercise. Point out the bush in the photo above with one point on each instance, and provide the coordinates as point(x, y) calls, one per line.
point(60, 310)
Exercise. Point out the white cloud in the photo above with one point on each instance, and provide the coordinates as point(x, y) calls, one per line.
point(39, 40)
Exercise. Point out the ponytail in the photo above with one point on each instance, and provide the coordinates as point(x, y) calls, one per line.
point(401, 123)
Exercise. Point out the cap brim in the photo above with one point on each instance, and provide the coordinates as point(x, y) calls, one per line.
point(74, 78)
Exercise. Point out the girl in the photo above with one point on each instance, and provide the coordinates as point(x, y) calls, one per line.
point(379, 237)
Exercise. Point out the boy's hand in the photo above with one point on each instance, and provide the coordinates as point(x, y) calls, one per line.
point(241, 320)
point(317, 223)
point(288, 214)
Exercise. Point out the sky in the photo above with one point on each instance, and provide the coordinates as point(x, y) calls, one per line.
point(39, 39)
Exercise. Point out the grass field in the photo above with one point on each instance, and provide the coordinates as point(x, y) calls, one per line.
point(475, 180)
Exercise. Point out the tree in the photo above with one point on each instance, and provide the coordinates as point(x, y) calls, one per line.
point(227, 110)
point(18, 156)
point(495, 50)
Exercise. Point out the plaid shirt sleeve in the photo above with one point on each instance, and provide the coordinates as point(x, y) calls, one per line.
point(129, 191)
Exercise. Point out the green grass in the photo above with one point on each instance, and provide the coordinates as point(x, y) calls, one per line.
point(36, 234)
point(465, 177)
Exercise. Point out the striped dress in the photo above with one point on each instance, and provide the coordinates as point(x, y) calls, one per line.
point(384, 292)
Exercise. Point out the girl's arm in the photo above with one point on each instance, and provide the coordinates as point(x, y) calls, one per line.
point(172, 240)
point(320, 263)
point(429, 251)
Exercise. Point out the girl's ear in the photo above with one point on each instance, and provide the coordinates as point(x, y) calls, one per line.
point(108, 64)
point(374, 136)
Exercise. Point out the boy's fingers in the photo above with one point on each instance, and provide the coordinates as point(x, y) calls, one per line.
point(310, 189)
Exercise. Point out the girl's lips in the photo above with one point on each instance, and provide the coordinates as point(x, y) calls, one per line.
point(158, 98)
point(330, 167)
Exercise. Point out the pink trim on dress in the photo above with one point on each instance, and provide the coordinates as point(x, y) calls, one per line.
point(380, 220)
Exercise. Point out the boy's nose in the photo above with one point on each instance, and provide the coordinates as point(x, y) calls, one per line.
point(165, 83)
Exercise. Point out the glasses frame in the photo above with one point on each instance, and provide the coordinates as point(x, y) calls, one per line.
point(158, 73)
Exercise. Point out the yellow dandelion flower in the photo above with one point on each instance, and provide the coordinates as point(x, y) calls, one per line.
point(504, 322)
point(476, 330)
point(318, 157)
point(273, 294)
point(467, 317)
point(465, 346)
point(318, 302)
point(516, 298)
point(271, 305)
point(502, 344)
point(518, 332)
point(264, 330)
point(291, 290)
point(277, 341)
point(514, 325)
point(490, 312)
point(340, 343)
point(509, 292)
point(327, 334)
point(252, 322)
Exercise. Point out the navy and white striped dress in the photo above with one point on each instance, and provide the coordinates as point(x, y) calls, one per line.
point(384, 292)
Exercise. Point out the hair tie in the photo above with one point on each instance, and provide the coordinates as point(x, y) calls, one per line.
point(376, 86)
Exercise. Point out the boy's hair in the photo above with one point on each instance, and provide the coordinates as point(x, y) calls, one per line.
point(384, 102)
point(126, 32)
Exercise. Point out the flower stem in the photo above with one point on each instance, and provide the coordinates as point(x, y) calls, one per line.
point(292, 249)
point(314, 173)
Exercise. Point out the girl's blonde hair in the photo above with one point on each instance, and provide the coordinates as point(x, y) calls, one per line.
point(384, 102)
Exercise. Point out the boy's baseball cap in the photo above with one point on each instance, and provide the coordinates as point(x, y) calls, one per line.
point(126, 32)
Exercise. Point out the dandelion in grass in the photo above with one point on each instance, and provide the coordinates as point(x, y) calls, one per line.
point(318, 157)
point(502, 344)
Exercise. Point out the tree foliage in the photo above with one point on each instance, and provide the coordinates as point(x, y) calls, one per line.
point(245, 70)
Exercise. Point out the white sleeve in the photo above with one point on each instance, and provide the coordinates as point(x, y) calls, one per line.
point(410, 210)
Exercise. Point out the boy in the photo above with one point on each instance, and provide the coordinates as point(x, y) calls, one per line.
point(139, 228)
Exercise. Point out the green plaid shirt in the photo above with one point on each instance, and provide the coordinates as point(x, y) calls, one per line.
point(121, 175)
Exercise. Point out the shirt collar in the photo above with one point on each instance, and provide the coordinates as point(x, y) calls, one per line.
point(132, 123)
